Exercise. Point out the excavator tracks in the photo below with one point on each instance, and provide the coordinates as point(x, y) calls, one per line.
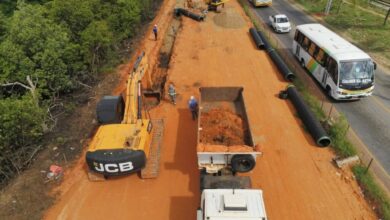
point(153, 161)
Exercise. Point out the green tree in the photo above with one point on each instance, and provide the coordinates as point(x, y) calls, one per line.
point(96, 43)
point(3, 25)
point(36, 46)
point(124, 19)
point(21, 127)
point(73, 14)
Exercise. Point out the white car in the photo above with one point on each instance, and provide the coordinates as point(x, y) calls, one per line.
point(280, 23)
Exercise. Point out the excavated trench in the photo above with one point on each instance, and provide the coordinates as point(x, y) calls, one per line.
point(160, 69)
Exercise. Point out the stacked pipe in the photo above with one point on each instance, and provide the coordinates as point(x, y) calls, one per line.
point(258, 41)
point(182, 11)
point(308, 118)
point(287, 74)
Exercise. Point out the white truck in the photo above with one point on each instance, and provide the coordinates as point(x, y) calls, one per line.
point(215, 156)
point(280, 23)
point(225, 196)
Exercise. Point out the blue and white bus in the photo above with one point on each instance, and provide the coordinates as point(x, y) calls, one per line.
point(345, 71)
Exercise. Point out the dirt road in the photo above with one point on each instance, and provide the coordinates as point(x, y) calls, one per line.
point(298, 179)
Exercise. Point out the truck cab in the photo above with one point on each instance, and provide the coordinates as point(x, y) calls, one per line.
point(238, 204)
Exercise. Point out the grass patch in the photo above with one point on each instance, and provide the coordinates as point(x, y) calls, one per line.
point(310, 100)
point(356, 21)
point(373, 192)
point(341, 144)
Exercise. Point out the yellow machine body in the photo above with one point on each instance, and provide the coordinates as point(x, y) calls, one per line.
point(124, 147)
point(122, 136)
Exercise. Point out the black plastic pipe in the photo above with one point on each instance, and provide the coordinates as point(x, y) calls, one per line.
point(308, 118)
point(288, 75)
point(258, 41)
point(267, 46)
point(182, 11)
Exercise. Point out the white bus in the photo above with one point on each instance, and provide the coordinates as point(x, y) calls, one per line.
point(345, 71)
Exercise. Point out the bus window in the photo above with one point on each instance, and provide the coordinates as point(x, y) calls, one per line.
point(298, 37)
point(325, 59)
point(305, 43)
point(316, 51)
point(320, 56)
point(312, 49)
point(332, 69)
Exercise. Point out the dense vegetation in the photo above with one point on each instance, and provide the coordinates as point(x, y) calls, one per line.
point(49, 48)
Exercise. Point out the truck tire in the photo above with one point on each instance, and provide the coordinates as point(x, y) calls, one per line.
point(242, 163)
point(110, 110)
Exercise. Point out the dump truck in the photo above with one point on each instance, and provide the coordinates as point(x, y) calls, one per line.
point(225, 148)
point(224, 136)
point(127, 140)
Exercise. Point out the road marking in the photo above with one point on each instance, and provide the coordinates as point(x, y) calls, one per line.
point(381, 104)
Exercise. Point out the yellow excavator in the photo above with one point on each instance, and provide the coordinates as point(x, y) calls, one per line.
point(127, 140)
point(214, 4)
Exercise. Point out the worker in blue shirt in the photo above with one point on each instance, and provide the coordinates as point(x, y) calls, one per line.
point(193, 106)
point(155, 31)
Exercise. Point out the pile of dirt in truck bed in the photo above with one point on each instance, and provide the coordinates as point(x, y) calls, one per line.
point(223, 148)
point(221, 126)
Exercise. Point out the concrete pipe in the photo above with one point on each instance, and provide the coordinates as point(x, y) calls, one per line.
point(182, 11)
point(308, 118)
point(288, 75)
point(258, 41)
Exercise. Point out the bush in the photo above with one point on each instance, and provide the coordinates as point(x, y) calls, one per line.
point(21, 127)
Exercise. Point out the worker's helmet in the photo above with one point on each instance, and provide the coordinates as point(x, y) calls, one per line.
point(192, 97)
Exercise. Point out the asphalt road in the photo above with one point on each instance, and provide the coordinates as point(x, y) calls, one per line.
point(369, 117)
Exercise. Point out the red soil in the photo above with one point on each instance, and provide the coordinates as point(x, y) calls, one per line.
point(298, 179)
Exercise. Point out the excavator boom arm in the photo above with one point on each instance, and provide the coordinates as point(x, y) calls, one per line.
point(132, 110)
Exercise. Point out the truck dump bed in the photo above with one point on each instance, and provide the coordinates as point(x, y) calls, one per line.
point(223, 127)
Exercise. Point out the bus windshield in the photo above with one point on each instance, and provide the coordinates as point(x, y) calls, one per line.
point(354, 73)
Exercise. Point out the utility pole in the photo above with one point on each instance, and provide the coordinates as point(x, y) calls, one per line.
point(328, 7)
